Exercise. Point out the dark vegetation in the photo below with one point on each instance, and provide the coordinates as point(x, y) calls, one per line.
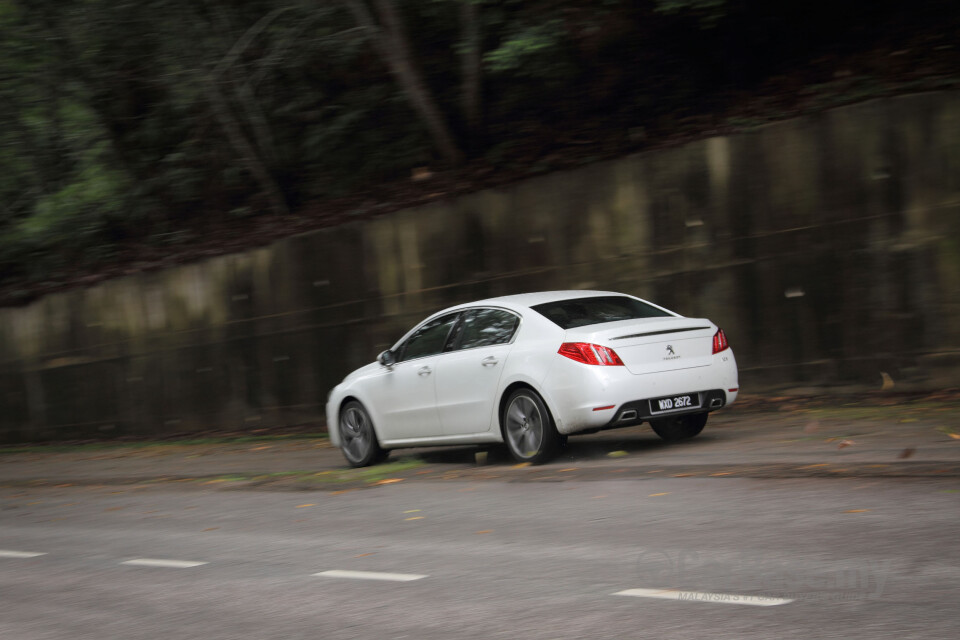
point(137, 134)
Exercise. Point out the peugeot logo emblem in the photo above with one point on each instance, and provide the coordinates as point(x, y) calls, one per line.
point(670, 350)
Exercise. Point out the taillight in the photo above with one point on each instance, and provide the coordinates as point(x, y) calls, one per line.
point(720, 341)
point(590, 354)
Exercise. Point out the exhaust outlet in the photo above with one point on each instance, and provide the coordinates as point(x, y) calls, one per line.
point(629, 414)
point(716, 403)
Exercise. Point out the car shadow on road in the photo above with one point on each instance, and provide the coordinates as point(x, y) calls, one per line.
point(582, 448)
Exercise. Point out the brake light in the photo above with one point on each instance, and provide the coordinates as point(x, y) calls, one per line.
point(720, 341)
point(590, 354)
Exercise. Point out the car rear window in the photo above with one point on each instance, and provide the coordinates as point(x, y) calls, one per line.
point(580, 312)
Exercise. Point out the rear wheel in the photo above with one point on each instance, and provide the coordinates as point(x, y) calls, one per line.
point(358, 440)
point(679, 427)
point(528, 428)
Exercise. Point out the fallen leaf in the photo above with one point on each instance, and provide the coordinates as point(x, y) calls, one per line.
point(887, 381)
point(856, 510)
point(654, 495)
point(906, 453)
point(364, 555)
point(420, 173)
point(722, 473)
point(388, 481)
point(570, 469)
point(819, 464)
point(909, 420)
point(336, 493)
point(414, 518)
point(485, 531)
point(412, 511)
point(261, 448)
point(600, 496)
point(211, 528)
point(480, 457)
point(309, 504)
point(521, 465)
point(617, 454)
point(845, 443)
point(682, 475)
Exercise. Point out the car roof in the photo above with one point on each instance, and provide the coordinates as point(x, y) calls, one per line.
point(526, 300)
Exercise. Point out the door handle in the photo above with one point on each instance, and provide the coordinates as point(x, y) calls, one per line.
point(489, 361)
point(424, 371)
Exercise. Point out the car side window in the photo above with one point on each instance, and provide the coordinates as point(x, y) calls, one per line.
point(485, 327)
point(429, 339)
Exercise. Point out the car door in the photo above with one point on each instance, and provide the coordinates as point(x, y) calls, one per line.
point(406, 392)
point(469, 376)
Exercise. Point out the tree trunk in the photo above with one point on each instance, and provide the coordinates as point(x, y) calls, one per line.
point(256, 155)
point(470, 68)
point(248, 154)
point(390, 40)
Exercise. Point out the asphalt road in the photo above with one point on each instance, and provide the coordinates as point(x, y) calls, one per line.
point(856, 558)
point(834, 523)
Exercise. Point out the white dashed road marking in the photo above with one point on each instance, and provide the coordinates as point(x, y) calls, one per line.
point(703, 596)
point(170, 564)
point(5, 553)
point(370, 575)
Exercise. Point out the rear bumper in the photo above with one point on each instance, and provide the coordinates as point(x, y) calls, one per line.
point(588, 398)
point(637, 411)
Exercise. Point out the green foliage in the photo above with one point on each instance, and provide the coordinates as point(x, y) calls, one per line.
point(532, 51)
point(710, 11)
point(149, 122)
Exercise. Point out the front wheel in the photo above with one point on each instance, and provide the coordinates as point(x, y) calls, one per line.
point(679, 427)
point(528, 428)
point(358, 440)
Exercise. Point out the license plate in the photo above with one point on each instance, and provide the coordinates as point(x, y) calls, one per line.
point(675, 403)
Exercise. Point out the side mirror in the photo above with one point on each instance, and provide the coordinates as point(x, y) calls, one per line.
point(387, 358)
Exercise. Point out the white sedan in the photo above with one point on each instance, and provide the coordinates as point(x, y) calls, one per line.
point(528, 370)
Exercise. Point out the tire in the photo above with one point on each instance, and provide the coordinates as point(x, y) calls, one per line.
point(358, 440)
point(679, 427)
point(528, 428)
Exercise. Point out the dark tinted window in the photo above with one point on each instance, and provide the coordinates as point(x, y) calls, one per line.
point(580, 312)
point(428, 339)
point(484, 327)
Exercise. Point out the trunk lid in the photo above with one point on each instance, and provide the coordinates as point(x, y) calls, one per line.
point(651, 345)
